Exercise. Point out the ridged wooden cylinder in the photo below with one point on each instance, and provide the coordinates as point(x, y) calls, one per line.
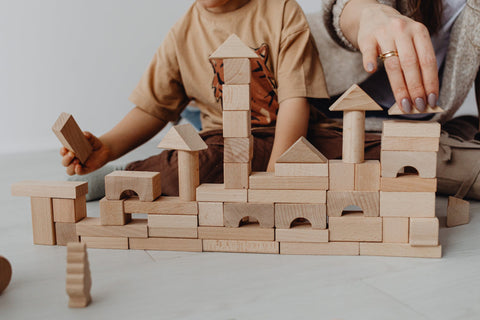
point(188, 174)
point(353, 136)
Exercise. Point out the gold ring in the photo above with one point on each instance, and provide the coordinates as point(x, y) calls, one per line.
point(388, 54)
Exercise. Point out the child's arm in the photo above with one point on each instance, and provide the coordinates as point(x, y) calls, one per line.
point(133, 130)
point(292, 123)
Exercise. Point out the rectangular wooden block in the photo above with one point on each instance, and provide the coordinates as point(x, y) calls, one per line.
point(68, 132)
point(328, 248)
point(105, 242)
point(241, 246)
point(235, 175)
point(163, 205)
point(287, 196)
point(172, 221)
point(406, 128)
point(156, 232)
point(236, 71)
point(212, 192)
point(399, 250)
point(246, 232)
point(396, 230)
point(286, 213)
point(424, 162)
point(367, 176)
point(210, 214)
point(147, 185)
point(236, 124)
point(233, 213)
point(408, 183)
point(268, 181)
point(355, 227)
point(65, 232)
point(112, 213)
point(368, 201)
point(50, 189)
point(301, 169)
point(69, 210)
point(238, 150)
point(424, 232)
point(342, 175)
point(410, 143)
point(166, 244)
point(236, 97)
point(91, 227)
point(407, 204)
point(301, 234)
point(42, 221)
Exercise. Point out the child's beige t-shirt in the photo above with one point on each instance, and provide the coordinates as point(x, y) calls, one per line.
point(181, 71)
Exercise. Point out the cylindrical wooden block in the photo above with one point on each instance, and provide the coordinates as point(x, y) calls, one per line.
point(188, 174)
point(353, 136)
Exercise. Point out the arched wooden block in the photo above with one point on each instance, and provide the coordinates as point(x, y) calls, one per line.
point(424, 162)
point(285, 214)
point(145, 184)
point(233, 213)
point(369, 201)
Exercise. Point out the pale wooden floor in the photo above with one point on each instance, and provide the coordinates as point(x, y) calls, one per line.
point(176, 285)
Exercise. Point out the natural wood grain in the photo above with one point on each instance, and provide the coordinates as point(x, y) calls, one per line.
point(233, 47)
point(355, 227)
point(78, 280)
point(50, 189)
point(172, 221)
point(163, 205)
point(246, 232)
point(210, 214)
point(301, 234)
point(301, 169)
point(409, 128)
point(188, 174)
point(233, 213)
point(156, 232)
point(302, 151)
point(236, 124)
point(211, 192)
point(42, 221)
point(241, 246)
point(408, 183)
point(399, 250)
point(147, 185)
point(236, 71)
point(458, 212)
point(407, 204)
point(355, 99)
point(286, 213)
point(236, 97)
point(112, 213)
point(166, 244)
point(5, 273)
point(105, 242)
point(91, 227)
point(69, 210)
point(183, 137)
point(396, 230)
point(236, 175)
point(367, 176)
point(68, 132)
point(368, 201)
point(342, 175)
point(424, 162)
point(410, 144)
point(238, 150)
point(65, 232)
point(269, 181)
point(328, 249)
point(424, 232)
point(287, 196)
point(353, 136)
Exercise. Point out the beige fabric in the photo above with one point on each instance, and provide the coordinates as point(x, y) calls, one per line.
point(180, 70)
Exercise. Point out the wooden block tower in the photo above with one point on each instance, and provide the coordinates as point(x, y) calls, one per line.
point(79, 281)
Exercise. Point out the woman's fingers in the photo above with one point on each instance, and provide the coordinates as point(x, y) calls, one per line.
point(369, 49)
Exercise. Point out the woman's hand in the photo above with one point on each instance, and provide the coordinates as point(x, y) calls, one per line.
point(376, 29)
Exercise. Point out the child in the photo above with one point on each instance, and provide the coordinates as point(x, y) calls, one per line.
point(286, 74)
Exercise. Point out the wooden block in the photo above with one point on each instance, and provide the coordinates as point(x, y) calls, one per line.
point(269, 181)
point(238, 150)
point(5, 273)
point(172, 221)
point(188, 174)
point(287, 196)
point(236, 71)
point(301, 169)
point(163, 205)
point(233, 47)
point(69, 210)
point(42, 221)
point(355, 227)
point(241, 246)
point(355, 99)
point(68, 132)
point(395, 230)
point(236, 175)
point(302, 151)
point(458, 212)
point(210, 214)
point(105, 242)
point(78, 280)
point(367, 176)
point(236, 97)
point(183, 137)
point(286, 213)
point(410, 143)
point(406, 128)
point(328, 248)
point(303, 233)
point(65, 232)
point(166, 244)
point(211, 192)
point(246, 232)
point(236, 124)
point(407, 204)
point(112, 213)
point(399, 250)
point(145, 184)
point(424, 162)
point(233, 213)
point(368, 201)
point(408, 183)
point(91, 227)
point(156, 232)
point(353, 136)
point(50, 189)
point(342, 175)
point(424, 232)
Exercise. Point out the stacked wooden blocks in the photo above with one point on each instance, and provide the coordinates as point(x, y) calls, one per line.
point(79, 281)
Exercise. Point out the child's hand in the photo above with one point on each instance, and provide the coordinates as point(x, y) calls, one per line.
point(98, 158)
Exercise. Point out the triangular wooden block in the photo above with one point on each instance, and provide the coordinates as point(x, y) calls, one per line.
point(183, 137)
point(233, 47)
point(302, 151)
point(355, 99)
point(395, 110)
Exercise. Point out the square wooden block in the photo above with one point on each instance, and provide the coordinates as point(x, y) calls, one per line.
point(236, 175)
point(396, 230)
point(424, 231)
point(236, 71)
point(342, 175)
point(236, 124)
point(367, 176)
point(236, 97)
point(65, 232)
point(210, 214)
point(112, 213)
point(69, 210)
point(238, 150)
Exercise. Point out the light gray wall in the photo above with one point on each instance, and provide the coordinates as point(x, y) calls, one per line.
point(81, 57)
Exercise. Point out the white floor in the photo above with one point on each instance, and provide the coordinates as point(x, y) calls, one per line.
point(176, 285)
